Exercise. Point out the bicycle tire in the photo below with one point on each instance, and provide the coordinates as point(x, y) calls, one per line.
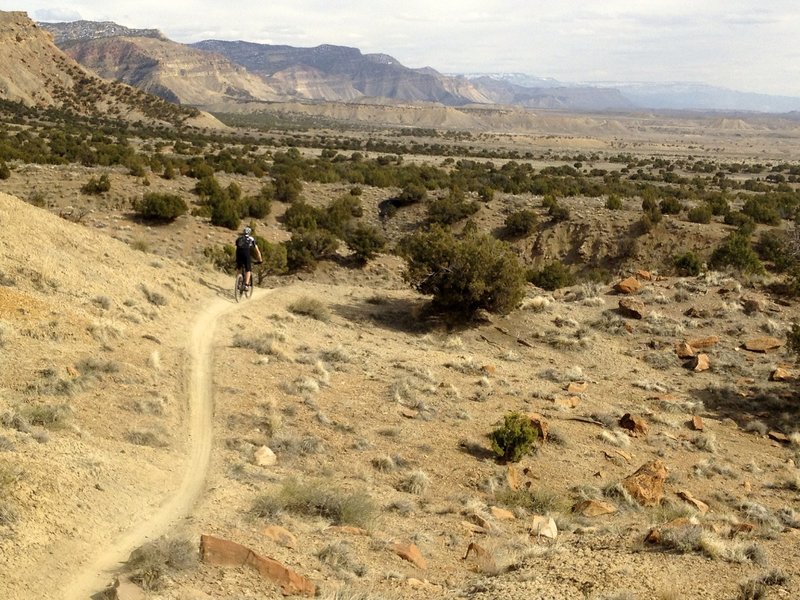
point(248, 292)
point(238, 287)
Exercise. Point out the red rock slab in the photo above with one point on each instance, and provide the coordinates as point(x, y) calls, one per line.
point(697, 423)
point(684, 350)
point(703, 342)
point(631, 307)
point(701, 363)
point(577, 387)
point(221, 552)
point(411, 553)
point(594, 508)
point(630, 285)
point(690, 499)
point(762, 344)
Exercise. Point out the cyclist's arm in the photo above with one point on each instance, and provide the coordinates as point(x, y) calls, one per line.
point(258, 253)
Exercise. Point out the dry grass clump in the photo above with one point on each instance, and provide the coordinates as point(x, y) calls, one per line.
point(319, 499)
point(6, 330)
point(706, 442)
point(310, 307)
point(337, 355)
point(155, 298)
point(538, 501)
point(93, 367)
point(51, 416)
point(537, 304)
point(9, 476)
point(147, 437)
point(467, 365)
point(755, 588)
point(151, 565)
point(265, 344)
point(572, 374)
point(616, 437)
point(695, 538)
point(103, 302)
point(339, 557)
point(417, 482)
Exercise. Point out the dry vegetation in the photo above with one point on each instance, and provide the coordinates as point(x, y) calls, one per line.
point(353, 418)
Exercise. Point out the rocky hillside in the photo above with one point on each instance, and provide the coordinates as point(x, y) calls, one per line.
point(92, 30)
point(36, 73)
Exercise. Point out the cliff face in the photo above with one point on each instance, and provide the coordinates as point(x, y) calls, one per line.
point(173, 71)
point(36, 72)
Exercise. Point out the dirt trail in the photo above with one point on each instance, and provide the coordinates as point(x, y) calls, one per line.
point(98, 570)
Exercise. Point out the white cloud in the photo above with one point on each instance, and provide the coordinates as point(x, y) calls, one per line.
point(56, 15)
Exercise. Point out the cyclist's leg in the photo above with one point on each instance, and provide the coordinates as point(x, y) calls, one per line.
point(248, 270)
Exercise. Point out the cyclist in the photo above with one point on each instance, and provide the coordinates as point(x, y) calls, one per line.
point(245, 245)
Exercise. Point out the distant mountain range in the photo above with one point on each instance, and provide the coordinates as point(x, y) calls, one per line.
point(216, 72)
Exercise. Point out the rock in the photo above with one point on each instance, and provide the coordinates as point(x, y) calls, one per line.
point(646, 485)
point(630, 285)
point(645, 275)
point(636, 425)
point(700, 363)
point(472, 527)
point(540, 424)
point(703, 342)
point(699, 505)
point(482, 316)
point(411, 553)
point(778, 437)
point(422, 584)
point(762, 344)
point(697, 423)
point(577, 387)
point(544, 527)
point(489, 369)
point(124, 589)
point(220, 552)
point(753, 305)
point(280, 536)
point(594, 508)
point(501, 514)
point(697, 313)
point(631, 307)
point(512, 477)
point(484, 558)
point(684, 350)
point(567, 401)
point(781, 374)
point(656, 534)
point(264, 457)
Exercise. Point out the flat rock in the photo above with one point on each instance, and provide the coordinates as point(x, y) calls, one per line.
point(699, 505)
point(644, 275)
point(280, 536)
point(348, 529)
point(631, 307)
point(697, 423)
point(777, 436)
point(629, 285)
point(594, 508)
point(411, 553)
point(781, 374)
point(762, 344)
point(544, 527)
point(567, 401)
point(700, 343)
point(646, 485)
point(221, 552)
point(501, 514)
point(264, 457)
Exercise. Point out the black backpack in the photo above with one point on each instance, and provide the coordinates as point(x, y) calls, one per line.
point(243, 242)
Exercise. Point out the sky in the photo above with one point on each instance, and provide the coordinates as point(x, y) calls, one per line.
point(739, 44)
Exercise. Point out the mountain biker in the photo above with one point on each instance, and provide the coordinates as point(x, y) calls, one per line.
point(245, 245)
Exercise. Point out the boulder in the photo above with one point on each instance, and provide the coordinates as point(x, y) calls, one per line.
point(567, 401)
point(594, 508)
point(781, 374)
point(280, 536)
point(484, 559)
point(631, 307)
point(762, 344)
point(646, 485)
point(221, 552)
point(684, 350)
point(700, 363)
point(635, 425)
point(629, 285)
point(577, 387)
point(544, 527)
point(540, 424)
point(264, 457)
point(697, 423)
point(644, 275)
point(777, 436)
point(411, 553)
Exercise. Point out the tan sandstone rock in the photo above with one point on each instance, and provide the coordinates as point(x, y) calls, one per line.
point(646, 485)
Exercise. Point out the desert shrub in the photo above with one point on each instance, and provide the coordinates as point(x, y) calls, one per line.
point(452, 208)
point(222, 257)
point(521, 222)
point(761, 211)
point(96, 186)
point(301, 216)
point(273, 257)
point(515, 438)
point(258, 206)
point(5, 171)
point(310, 307)
point(687, 264)
point(773, 246)
point(558, 213)
point(736, 252)
point(364, 241)
point(670, 206)
point(614, 202)
point(150, 565)
point(463, 274)
point(225, 213)
point(718, 204)
point(339, 213)
point(412, 193)
point(305, 248)
point(793, 339)
point(743, 223)
point(160, 207)
point(552, 276)
point(287, 188)
point(700, 214)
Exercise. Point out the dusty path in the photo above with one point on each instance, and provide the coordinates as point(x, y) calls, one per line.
point(98, 570)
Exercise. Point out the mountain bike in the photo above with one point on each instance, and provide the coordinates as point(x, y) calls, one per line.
point(240, 289)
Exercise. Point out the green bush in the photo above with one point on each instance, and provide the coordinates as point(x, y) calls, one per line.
point(773, 246)
point(521, 222)
point(552, 277)
point(287, 188)
point(274, 261)
point(364, 241)
point(412, 193)
point(793, 339)
point(96, 186)
point(687, 264)
point(5, 171)
point(301, 216)
point(156, 206)
point(743, 223)
point(558, 213)
point(307, 247)
point(452, 208)
point(222, 257)
point(225, 213)
point(700, 214)
point(614, 202)
point(338, 214)
point(670, 206)
point(463, 274)
point(761, 210)
point(515, 438)
point(736, 252)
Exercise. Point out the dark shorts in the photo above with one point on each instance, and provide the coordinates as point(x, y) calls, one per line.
point(244, 259)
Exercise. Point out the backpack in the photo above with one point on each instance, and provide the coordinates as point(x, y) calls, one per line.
point(243, 242)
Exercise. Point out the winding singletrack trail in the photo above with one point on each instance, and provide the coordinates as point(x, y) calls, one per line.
point(99, 569)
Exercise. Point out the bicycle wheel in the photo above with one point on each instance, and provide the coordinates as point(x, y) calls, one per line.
point(238, 288)
point(249, 291)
